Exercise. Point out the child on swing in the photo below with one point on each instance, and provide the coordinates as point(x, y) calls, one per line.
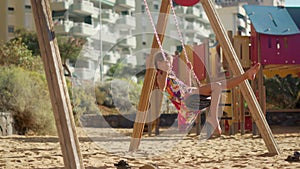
point(190, 100)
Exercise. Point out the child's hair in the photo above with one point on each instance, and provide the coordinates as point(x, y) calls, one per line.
point(158, 57)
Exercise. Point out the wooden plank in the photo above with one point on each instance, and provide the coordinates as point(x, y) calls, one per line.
point(149, 79)
point(57, 85)
point(237, 69)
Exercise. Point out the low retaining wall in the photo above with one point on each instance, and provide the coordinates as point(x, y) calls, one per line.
point(126, 121)
point(121, 121)
point(283, 118)
point(6, 124)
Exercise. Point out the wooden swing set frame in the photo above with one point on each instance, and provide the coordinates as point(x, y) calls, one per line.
point(60, 98)
point(234, 64)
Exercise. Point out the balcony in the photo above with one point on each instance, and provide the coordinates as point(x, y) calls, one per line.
point(108, 40)
point(180, 10)
point(241, 23)
point(84, 73)
point(192, 39)
point(83, 7)
point(127, 42)
point(90, 53)
point(129, 59)
point(192, 12)
point(108, 16)
point(126, 22)
point(191, 27)
point(196, 28)
point(203, 32)
point(105, 3)
point(124, 5)
point(111, 58)
point(63, 27)
point(108, 37)
point(83, 29)
point(203, 17)
point(59, 5)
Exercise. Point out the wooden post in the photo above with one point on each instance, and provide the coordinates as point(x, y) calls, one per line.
point(242, 110)
point(57, 85)
point(154, 111)
point(237, 69)
point(149, 79)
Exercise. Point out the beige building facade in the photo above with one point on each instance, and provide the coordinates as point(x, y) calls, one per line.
point(15, 14)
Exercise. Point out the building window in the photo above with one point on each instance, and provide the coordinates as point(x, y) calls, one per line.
point(143, 9)
point(124, 13)
point(11, 29)
point(27, 8)
point(11, 9)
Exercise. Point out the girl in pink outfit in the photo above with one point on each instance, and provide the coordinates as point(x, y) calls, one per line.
point(190, 100)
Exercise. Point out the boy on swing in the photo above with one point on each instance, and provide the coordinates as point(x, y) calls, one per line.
point(190, 100)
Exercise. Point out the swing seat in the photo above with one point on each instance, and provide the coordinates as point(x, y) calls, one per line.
point(197, 102)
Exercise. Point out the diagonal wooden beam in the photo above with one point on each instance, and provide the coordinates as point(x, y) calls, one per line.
point(237, 69)
point(149, 78)
point(57, 85)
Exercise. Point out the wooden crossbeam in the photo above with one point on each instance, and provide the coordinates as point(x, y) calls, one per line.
point(237, 69)
point(57, 85)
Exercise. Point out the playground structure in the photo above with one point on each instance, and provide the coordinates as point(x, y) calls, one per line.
point(233, 62)
point(274, 45)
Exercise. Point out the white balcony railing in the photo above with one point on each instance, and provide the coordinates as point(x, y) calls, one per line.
point(84, 73)
point(192, 12)
point(108, 37)
point(107, 16)
point(59, 5)
point(83, 29)
point(203, 17)
point(126, 22)
point(180, 10)
point(123, 5)
point(62, 27)
point(196, 28)
point(127, 42)
point(90, 53)
point(110, 59)
point(83, 7)
point(241, 22)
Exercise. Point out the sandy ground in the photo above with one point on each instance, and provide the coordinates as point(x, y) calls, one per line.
point(102, 149)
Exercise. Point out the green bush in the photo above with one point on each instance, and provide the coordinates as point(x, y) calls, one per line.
point(122, 94)
point(83, 101)
point(16, 53)
point(283, 93)
point(25, 94)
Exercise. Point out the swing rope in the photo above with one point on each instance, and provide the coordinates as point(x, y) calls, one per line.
point(154, 29)
point(189, 64)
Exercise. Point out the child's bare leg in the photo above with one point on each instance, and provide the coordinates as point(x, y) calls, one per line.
point(249, 74)
point(230, 83)
point(213, 116)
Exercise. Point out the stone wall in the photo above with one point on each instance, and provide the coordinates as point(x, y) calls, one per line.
point(6, 124)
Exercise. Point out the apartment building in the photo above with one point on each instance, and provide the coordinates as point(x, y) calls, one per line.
point(193, 25)
point(234, 19)
point(114, 29)
point(104, 23)
point(233, 15)
point(14, 14)
point(227, 3)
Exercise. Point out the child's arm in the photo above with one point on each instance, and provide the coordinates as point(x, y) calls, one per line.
point(161, 79)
